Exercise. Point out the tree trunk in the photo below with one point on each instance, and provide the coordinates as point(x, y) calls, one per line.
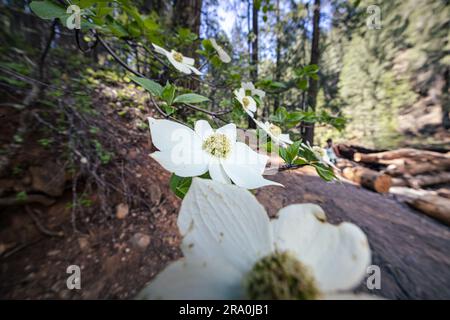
point(446, 101)
point(254, 55)
point(313, 84)
point(276, 104)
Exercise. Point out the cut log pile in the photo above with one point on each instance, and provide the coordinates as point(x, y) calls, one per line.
point(406, 172)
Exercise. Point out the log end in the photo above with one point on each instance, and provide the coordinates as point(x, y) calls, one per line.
point(382, 183)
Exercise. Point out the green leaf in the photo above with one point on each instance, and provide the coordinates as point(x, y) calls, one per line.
point(190, 98)
point(292, 151)
point(302, 84)
point(168, 93)
point(325, 172)
point(300, 162)
point(180, 185)
point(47, 9)
point(311, 69)
point(168, 109)
point(283, 154)
point(151, 86)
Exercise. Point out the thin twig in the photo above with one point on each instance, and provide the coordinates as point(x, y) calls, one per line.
point(40, 226)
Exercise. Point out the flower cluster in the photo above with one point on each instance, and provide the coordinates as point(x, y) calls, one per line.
point(190, 153)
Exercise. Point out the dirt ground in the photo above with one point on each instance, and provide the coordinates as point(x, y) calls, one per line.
point(118, 257)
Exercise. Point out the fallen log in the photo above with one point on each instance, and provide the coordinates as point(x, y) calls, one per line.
point(369, 179)
point(414, 168)
point(429, 180)
point(414, 154)
point(445, 193)
point(347, 151)
point(433, 206)
point(345, 163)
point(421, 181)
point(426, 201)
point(399, 182)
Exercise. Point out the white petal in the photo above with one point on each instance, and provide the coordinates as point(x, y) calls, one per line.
point(183, 162)
point(161, 50)
point(166, 134)
point(337, 255)
point(247, 86)
point(259, 93)
point(179, 66)
point(188, 61)
point(252, 104)
point(214, 43)
point(224, 57)
point(262, 125)
point(217, 173)
point(239, 94)
point(224, 222)
point(229, 130)
point(251, 114)
point(285, 138)
point(245, 167)
point(203, 129)
point(195, 70)
point(189, 279)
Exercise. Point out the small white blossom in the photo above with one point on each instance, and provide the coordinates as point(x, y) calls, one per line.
point(223, 56)
point(320, 154)
point(247, 102)
point(249, 86)
point(190, 153)
point(274, 133)
point(180, 62)
point(232, 250)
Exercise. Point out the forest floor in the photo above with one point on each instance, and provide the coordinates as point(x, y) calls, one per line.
point(123, 247)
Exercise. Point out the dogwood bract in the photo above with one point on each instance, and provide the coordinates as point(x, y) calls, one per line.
point(190, 153)
point(180, 62)
point(274, 133)
point(247, 102)
point(223, 56)
point(232, 250)
point(249, 86)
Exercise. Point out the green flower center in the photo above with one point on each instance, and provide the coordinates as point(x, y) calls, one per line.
point(245, 102)
point(275, 130)
point(280, 276)
point(177, 56)
point(217, 145)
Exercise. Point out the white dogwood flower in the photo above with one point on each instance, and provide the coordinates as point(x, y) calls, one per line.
point(180, 62)
point(223, 56)
point(190, 153)
point(233, 251)
point(274, 133)
point(320, 154)
point(247, 102)
point(249, 86)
